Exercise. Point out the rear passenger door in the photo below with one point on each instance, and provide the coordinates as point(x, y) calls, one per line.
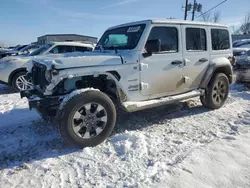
point(195, 54)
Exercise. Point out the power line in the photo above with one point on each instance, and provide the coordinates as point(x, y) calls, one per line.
point(211, 8)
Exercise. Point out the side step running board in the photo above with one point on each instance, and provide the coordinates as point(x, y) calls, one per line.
point(132, 106)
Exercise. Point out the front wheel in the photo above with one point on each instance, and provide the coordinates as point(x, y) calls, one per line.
point(217, 92)
point(86, 119)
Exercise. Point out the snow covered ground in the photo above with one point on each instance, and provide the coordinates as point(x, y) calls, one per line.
point(182, 145)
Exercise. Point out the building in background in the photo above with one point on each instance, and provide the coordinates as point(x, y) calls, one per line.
point(66, 38)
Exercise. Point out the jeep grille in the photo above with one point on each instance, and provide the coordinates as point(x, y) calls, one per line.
point(38, 75)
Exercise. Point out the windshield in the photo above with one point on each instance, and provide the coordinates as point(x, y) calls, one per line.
point(121, 38)
point(20, 47)
point(41, 50)
point(29, 48)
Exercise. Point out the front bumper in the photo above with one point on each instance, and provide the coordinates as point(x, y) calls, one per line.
point(37, 100)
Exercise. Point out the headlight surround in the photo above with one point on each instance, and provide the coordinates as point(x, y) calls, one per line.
point(48, 75)
point(9, 60)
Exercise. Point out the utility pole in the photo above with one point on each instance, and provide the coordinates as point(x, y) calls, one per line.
point(186, 9)
point(194, 7)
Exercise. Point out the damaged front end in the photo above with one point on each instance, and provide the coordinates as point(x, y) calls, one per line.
point(41, 77)
point(37, 100)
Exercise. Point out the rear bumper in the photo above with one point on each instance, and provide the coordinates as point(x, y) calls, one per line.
point(37, 100)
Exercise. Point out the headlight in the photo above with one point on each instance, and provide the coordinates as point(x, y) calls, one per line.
point(48, 76)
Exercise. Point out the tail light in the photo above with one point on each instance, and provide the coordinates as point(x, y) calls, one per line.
point(232, 60)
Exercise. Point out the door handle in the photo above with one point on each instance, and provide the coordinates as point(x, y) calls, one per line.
point(203, 60)
point(176, 62)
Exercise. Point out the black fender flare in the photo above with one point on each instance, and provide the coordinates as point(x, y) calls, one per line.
point(212, 69)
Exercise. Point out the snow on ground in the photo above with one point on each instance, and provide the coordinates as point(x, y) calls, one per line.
point(182, 145)
point(223, 163)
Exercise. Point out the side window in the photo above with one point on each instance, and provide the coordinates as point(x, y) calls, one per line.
point(54, 50)
point(168, 37)
point(220, 39)
point(82, 49)
point(62, 49)
point(196, 39)
point(69, 48)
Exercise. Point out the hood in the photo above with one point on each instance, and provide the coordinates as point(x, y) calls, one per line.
point(78, 59)
point(240, 49)
point(15, 57)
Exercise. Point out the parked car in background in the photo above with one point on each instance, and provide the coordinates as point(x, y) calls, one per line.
point(13, 68)
point(28, 49)
point(11, 47)
point(244, 43)
point(243, 67)
point(14, 51)
point(242, 58)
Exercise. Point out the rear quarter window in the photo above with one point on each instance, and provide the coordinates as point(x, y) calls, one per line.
point(220, 39)
point(196, 39)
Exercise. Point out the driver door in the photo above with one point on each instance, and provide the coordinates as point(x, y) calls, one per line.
point(161, 72)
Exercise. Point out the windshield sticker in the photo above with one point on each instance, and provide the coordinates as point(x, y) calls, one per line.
point(133, 29)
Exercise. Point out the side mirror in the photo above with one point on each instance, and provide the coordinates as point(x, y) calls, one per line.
point(153, 46)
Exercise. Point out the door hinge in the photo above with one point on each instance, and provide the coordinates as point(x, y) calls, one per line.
point(186, 62)
point(186, 79)
point(143, 66)
point(143, 85)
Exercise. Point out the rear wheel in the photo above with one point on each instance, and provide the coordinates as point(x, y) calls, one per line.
point(19, 81)
point(217, 92)
point(87, 119)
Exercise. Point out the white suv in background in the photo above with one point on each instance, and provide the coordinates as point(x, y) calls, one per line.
point(13, 68)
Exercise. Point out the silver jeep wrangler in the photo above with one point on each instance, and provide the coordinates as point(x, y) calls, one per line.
point(135, 66)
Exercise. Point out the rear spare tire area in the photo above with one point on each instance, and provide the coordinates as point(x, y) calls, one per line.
point(86, 118)
point(217, 92)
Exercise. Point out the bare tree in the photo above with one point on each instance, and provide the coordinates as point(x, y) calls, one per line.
point(245, 27)
point(208, 17)
point(216, 17)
